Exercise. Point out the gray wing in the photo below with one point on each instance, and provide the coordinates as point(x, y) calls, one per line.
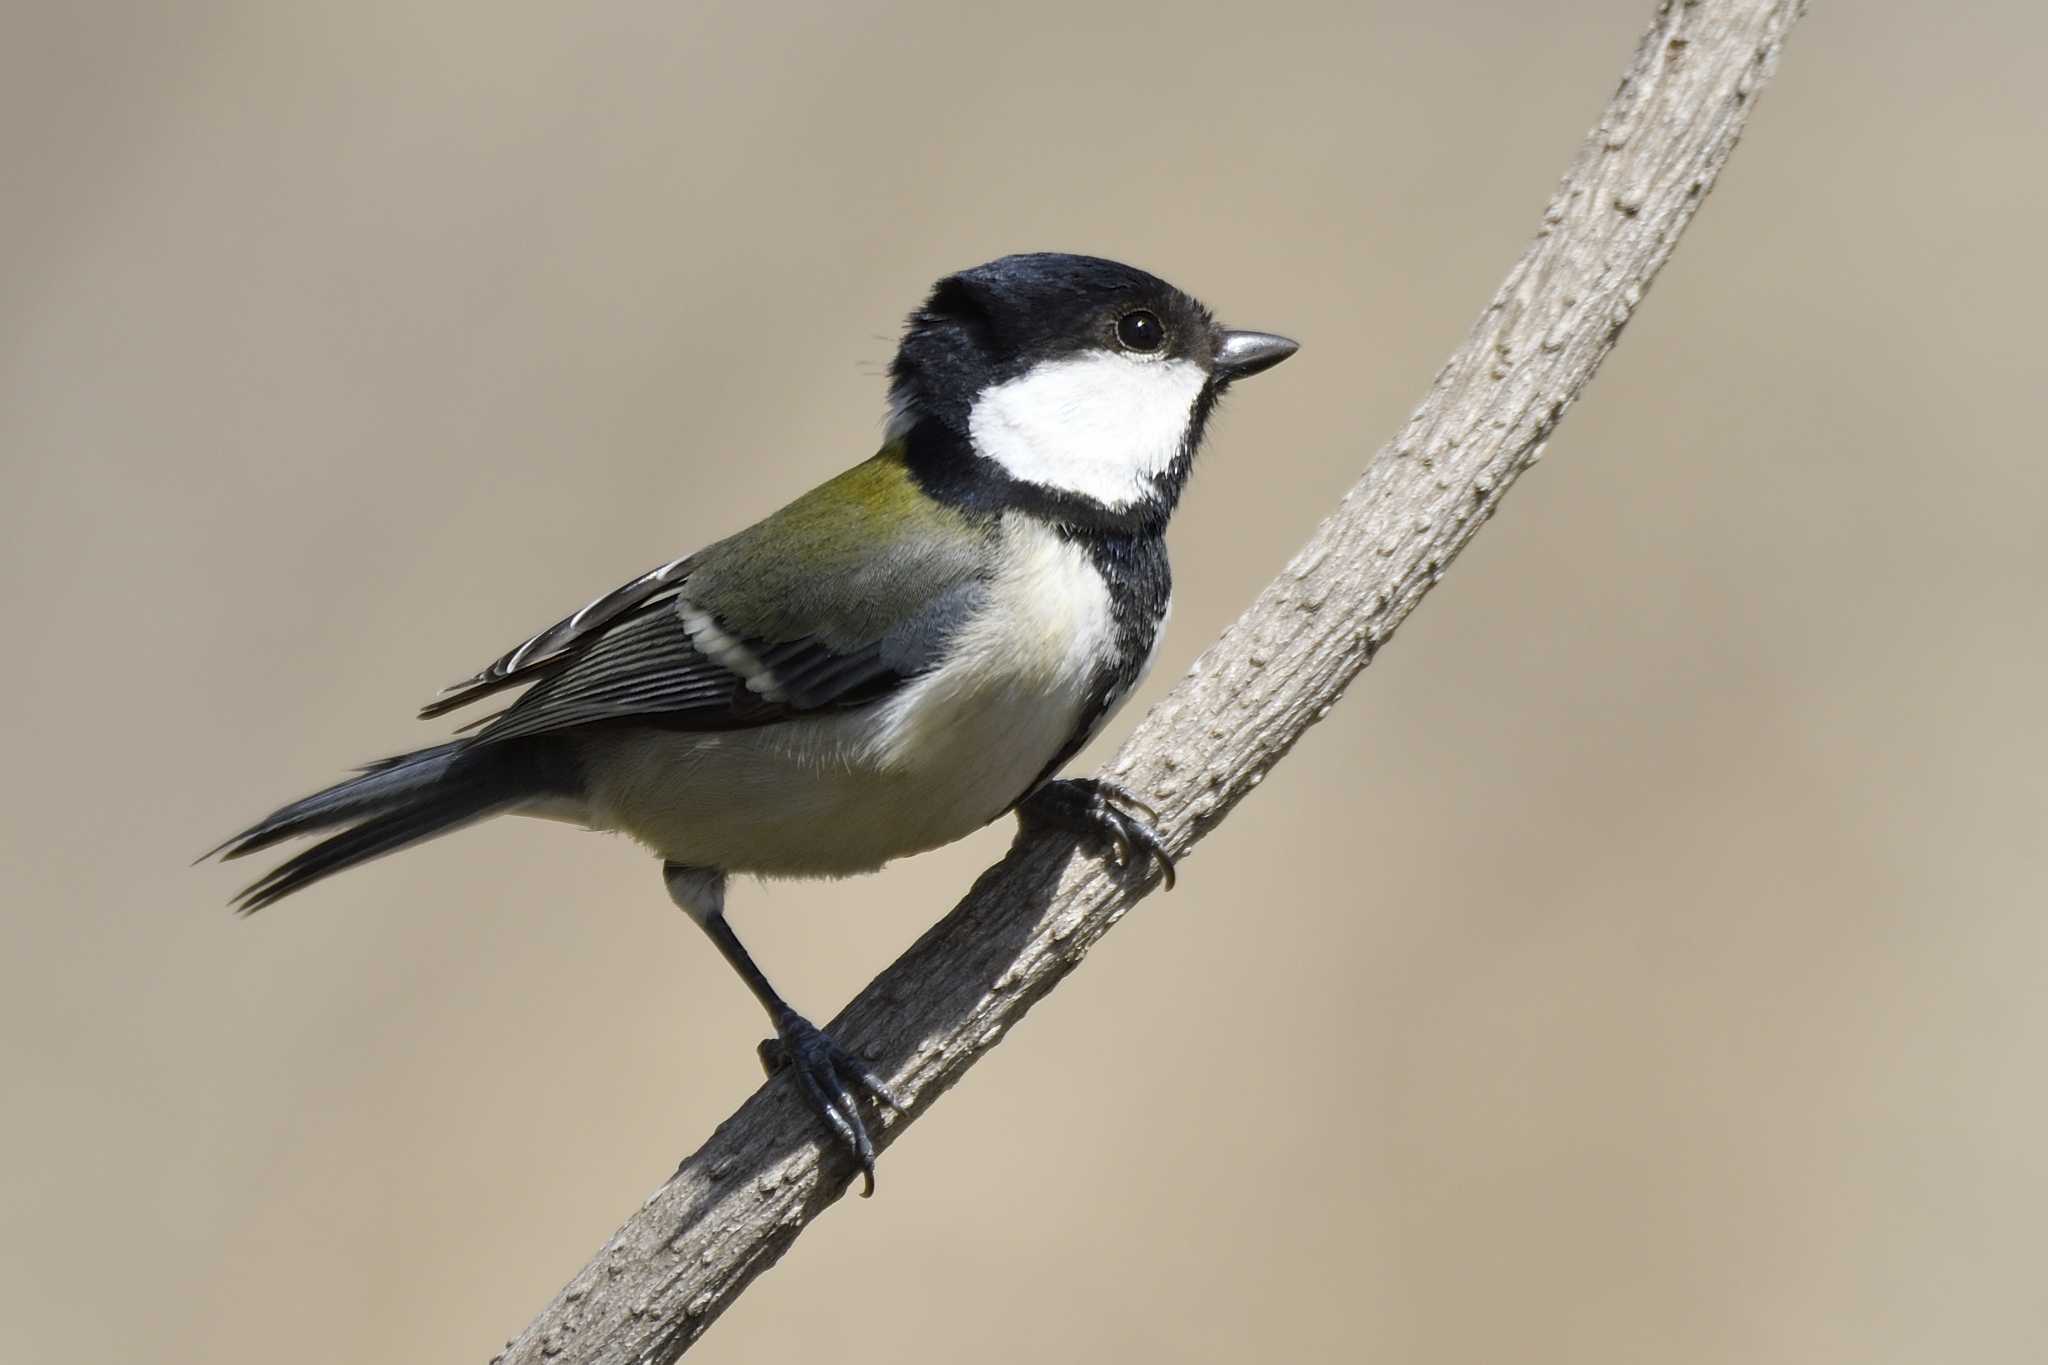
point(546, 651)
point(834, 600)
point(673, 665)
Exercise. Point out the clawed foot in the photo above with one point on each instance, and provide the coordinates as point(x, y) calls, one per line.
point(1106, 816)
point(829, 1076)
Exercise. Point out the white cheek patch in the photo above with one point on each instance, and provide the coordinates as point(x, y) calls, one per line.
point(1100, 425)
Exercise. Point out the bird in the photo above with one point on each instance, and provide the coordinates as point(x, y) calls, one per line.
point(906, 653)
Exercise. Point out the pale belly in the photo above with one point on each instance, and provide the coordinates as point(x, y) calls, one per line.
point(800, 800)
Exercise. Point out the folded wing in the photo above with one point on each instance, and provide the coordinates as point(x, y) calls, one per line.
point(836, 600)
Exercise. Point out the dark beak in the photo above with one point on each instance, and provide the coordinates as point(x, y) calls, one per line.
point(1246, 353)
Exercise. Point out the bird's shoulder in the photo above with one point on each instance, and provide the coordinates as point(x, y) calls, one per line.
point(846, 561)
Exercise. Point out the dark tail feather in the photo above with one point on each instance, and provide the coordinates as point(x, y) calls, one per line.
point(383, 785)
point(395, 803)
point(380, 834)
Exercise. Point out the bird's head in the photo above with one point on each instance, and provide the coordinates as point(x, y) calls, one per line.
point(1071, 386)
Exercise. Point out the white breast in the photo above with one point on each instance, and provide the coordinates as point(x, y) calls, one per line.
point(847, 792)
point(1017, 674)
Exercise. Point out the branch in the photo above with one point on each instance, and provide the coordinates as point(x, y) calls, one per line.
point(734, 1207)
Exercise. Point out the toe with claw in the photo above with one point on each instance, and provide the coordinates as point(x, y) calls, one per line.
point(830, 1079)
point(1105, 815)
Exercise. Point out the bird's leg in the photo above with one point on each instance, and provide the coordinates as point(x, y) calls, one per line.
point(827, 1075)
point(1103, 814)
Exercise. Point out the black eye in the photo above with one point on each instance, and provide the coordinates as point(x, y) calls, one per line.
point(1140, 330)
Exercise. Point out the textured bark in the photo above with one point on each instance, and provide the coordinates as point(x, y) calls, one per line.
point(736, 1205)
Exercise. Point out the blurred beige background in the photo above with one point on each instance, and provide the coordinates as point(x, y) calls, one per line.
point(1646, 962)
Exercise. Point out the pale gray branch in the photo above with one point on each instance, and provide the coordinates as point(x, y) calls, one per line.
point(740, 1201)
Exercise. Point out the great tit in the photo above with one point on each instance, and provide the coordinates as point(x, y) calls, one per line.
point(897, 658)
